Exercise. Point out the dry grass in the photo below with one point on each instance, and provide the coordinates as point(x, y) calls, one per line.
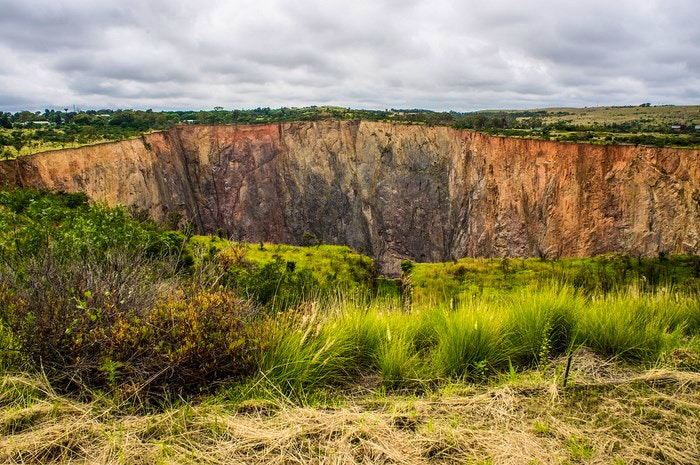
point(606, 415)
point(606, 114)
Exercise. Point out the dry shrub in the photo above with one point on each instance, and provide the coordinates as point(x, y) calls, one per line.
point(186, 344)
point(232, 256)
point(124, 322)
point(57, 305)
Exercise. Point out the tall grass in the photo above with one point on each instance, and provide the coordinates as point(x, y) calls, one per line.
point(632, 326)
point(396, 358)
point(300, 352)
point(540, 324)
point(330, 345)
point(470, 342)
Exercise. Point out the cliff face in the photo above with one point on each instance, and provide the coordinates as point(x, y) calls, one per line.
point(393, 191)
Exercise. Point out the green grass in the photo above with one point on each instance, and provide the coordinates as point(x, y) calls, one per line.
point(466, 278)
point(542, 324)
point(309, 319)
point(326, 270)
point(302, 355)
point(633, 328)
point(326, 347)
point(470, 343)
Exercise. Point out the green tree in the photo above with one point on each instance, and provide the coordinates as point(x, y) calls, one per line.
point(5, 120)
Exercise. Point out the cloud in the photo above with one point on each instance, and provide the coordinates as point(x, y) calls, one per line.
point(445, 54)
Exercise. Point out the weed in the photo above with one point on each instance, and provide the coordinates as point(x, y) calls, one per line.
point(580, 448)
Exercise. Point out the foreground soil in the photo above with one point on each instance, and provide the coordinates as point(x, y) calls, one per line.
point(605, 415)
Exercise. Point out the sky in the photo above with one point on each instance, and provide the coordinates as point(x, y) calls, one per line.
point(377, 54)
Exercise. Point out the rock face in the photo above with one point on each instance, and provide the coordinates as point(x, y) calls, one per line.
point(393, 191)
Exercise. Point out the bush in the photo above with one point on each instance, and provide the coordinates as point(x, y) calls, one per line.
point(90, 297)
point(277, 285)
point(182, 344)
point(185, 345)
point(56, 305)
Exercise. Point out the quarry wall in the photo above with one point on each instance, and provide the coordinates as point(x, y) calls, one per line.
point(392, 191)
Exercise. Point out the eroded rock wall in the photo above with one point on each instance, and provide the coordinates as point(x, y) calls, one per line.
point(393, 191)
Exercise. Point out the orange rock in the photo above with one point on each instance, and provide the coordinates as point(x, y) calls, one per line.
point(393, 191)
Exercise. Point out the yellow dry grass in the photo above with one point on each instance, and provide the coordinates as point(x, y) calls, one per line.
point(604, 416)
point(604, 115)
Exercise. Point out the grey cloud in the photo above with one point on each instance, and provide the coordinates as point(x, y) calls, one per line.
point(48, 26)
point(444, 54)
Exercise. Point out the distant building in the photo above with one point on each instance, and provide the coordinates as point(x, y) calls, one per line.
point(40, 123)
point(678, 127)
point(189, 121)
point(697, 127)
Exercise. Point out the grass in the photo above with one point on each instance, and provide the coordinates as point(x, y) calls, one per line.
point(648, 418)
point(302, 355)
point(471, 369)
point(359, 380)
point(328, 269)
point(658, 115)
point(467, 278)
point(316, 347)
point(470, 343)
point(542, 324)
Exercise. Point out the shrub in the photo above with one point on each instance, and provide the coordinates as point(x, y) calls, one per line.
point(185, 345)
point(55, 304)
point(89, 295)
point(276, 284)
point(182, 344)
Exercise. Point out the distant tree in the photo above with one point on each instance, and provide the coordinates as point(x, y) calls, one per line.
point(82, 118)
point(534, 122)
point(24, 116)
point(5, 120)
point(18, 144)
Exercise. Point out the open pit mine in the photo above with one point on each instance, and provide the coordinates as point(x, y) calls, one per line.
point(392, 191)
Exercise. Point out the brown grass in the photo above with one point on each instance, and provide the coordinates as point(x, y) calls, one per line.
point(605, 416)
point(607, 114)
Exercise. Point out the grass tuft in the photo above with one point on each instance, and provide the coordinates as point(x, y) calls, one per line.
point(470, 342)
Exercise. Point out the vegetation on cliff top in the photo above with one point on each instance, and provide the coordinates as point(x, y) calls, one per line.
point(24, 132)
point(106, 321)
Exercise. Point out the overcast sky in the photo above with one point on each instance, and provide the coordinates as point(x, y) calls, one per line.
point(438, 54)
